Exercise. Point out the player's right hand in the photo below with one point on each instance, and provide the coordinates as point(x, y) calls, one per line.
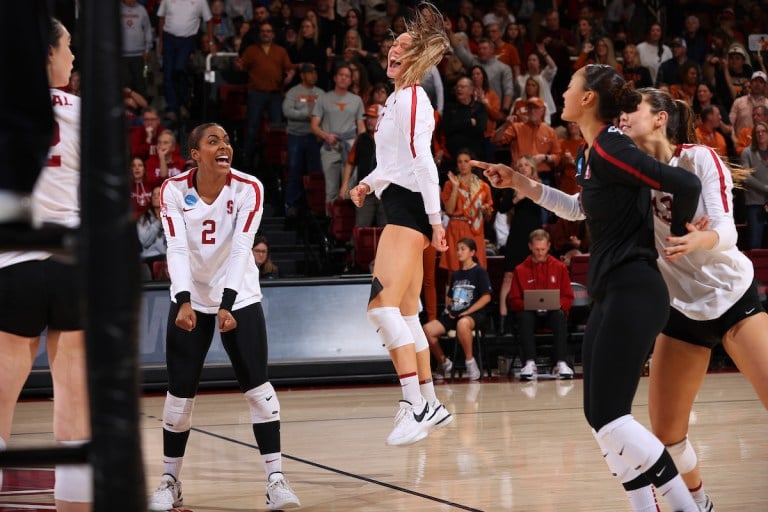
point(357, 194)
point(186, 318)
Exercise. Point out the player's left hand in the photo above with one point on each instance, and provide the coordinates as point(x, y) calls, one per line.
point(226, 321)
point(438, 238)
point(686, 244)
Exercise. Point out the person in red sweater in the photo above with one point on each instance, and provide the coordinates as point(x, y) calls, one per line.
point(541, 271)
point(167, 162)
point(143, 138)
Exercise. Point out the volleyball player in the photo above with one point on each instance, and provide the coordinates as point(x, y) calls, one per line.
point(406, 181)
point(713, 295)
point(210, 216)
point(630, 298)
point(40, 291)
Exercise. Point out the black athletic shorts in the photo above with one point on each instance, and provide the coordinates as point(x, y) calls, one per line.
point(480, 318)
point(38, 294)
point(708, 333)
point(404, 207)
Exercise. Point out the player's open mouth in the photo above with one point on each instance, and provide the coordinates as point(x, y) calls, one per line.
point(222, 159)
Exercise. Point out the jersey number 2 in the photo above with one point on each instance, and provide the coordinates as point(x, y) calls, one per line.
point(208, 232)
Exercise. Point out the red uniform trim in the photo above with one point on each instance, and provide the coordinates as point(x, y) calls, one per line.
point(257, 205)
point(413, 120)
point(718, 163)
point(625, 167)
point(720, 172)
point(163, 208)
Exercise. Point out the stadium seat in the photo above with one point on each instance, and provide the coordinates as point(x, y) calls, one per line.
point(579, 268)
point(342, 219)
point(366, 240)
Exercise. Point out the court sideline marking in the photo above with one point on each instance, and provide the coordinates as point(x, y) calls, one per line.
point(338, 471)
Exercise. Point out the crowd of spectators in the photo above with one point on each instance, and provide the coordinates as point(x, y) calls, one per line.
point(497, 94)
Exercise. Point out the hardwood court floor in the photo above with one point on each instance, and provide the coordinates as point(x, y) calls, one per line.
point(512, 446)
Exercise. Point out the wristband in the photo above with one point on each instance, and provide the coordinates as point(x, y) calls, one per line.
point(183, 298)
point(228, 299)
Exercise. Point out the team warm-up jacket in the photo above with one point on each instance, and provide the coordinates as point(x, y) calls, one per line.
point(209, 245)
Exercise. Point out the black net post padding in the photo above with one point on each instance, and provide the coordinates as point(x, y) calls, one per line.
point(110, 257)
point(26, 116)
point(45, 456)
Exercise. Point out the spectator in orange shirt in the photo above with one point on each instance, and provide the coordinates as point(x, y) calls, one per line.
point(569, 147)
point(492, 103)
point(269, 70)
point(707, 131)
point(744, 138)
point(468, 202)
point(505, 52)
point(533, 137)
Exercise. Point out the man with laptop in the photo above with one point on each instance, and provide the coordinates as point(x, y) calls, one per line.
point(541, 296)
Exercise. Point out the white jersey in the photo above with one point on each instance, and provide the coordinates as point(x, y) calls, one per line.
point(209, 245)
point(56, 196)
point(404, 148)
point(705, 283)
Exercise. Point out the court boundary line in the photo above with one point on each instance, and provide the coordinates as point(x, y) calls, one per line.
point(340, 471)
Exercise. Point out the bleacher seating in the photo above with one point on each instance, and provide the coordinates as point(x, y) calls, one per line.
point(759, 258)
point(234, 102)
point(342, 219)
point(314, 190)
point(160, 271)
point(579, 268)
point(366, 240)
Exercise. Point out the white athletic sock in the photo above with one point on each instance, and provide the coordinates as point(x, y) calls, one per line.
point(643, 499)
point(699, 496)
point(428, 391)
point(273, 462)
point(172, 466)
point(677, 495)
point(411, 391)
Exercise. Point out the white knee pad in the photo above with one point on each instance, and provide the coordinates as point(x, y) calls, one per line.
point(391, 327)
point(616, 464)
point(419, 338)
point(74, 482)
point(684, 456)
point(263, 403)
point(634, 443)
point(177, 413)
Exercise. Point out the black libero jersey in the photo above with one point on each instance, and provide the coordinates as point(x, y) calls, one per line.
point(616, 180)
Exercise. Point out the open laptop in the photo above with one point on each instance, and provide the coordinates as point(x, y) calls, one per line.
point(538, 300)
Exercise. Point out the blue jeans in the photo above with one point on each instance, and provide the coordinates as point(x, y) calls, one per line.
point(176, 52)
point(303, 158)
point(756, 217)
point(258, 101)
